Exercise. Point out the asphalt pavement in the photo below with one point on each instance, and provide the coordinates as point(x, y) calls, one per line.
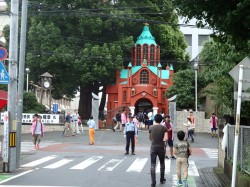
point(113, 142)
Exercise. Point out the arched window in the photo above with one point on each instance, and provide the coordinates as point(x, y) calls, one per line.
point(144, 76)
point(152, 52)
point(124, 96)
point(138, 55)
point(145, 51)
point(163, 97)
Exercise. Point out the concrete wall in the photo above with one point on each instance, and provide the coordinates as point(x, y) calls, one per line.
point(201, 124)
point(27, 128)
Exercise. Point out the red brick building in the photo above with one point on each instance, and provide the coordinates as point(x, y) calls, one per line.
point(143, 84)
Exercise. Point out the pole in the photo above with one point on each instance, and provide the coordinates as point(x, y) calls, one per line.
point(21, 80)
point(196, 95)
point(27, 84)
point(12, 87)
point(237, 125)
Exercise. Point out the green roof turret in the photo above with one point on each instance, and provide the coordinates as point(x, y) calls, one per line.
point(146, 37)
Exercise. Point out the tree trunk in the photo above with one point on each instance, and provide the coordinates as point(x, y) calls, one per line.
point(85, 102)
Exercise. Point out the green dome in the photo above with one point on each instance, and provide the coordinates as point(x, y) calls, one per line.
point(146, 37)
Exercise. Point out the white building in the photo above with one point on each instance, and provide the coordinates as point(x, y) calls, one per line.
point(194, 36)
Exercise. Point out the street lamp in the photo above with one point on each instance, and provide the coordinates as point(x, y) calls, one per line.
point(27, 85)
point(196, 67)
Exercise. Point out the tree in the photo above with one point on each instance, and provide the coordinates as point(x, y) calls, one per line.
point(184, 88)
point(30, 104)
point(229, 19)
point(219, 59)
point(82, 43)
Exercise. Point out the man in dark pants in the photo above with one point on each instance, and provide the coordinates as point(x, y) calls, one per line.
point(130, 131)
point(158, 137)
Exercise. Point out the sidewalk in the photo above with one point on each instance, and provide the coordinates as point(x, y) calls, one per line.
point(214, 177)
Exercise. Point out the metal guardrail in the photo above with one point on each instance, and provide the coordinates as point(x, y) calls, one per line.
point(243, 159)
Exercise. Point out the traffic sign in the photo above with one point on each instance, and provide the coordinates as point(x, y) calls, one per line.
point(245, 96)
point(55, 108)
point(4, 76)
point(3, 53)
point(246, 73)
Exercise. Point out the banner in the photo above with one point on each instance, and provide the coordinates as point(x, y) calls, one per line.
point(46, 118)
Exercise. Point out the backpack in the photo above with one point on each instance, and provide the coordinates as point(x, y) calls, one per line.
point(140, 118)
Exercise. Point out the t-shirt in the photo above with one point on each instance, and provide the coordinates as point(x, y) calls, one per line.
point(38, 129)
point(181, 149)
point(157, 135)
point(118, 117)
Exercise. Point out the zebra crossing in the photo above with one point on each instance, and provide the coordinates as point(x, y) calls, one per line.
point(211, 153)
point(29, 146)
point(102, 164)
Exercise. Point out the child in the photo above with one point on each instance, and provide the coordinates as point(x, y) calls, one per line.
point(37, 131)
point(182, 151)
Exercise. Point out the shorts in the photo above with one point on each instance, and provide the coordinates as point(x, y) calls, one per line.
point(213, 129)
point(181, 164)
point(170, 143)
point(123, 125)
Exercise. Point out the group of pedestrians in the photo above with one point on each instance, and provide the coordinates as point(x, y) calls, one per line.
point(72, 123)
point(159, 136)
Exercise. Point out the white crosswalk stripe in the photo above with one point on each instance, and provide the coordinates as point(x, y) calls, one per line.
point(110, 165)
point(29, 146)
point(137, 164)
point(211, 153)
point(38, 162)
point(87, 163)
point(58, 164)
point(192, 169)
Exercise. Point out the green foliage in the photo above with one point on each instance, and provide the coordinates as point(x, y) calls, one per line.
point(229, 19)
point(30, 104)
point(184, 88)
point(218, 60)
point(84, 42)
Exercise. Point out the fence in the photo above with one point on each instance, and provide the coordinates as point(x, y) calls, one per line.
point(243, 159)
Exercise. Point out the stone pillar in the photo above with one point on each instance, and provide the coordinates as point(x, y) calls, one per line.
point(155, 110)
point(132, 110)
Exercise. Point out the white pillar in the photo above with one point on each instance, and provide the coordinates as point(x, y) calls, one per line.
point(132, 110)
point(155, 110)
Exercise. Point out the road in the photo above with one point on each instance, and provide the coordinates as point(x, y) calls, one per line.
point(70, 161)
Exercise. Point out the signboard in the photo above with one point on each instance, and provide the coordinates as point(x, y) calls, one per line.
point(95, 112)
point(4, 76)
point(55, 108)
point(245, 96)
point(246, 73)
point(46, 118)
point(172, 112)
point(5, 146)
point(3, 53)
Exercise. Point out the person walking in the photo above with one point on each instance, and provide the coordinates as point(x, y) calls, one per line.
point(191, 116)
point(37, 131)
point(75, 122)
point(91, 124)
point(190, 129)
point(118, 121)
point(158, 138)
point(130, 132)
point(170, 133)
point(68, 125)
point(124, 119)
point(182, 150)
point(140, 117)
point(213, 124)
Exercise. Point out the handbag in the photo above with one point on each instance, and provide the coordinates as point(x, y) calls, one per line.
point(188, 150)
